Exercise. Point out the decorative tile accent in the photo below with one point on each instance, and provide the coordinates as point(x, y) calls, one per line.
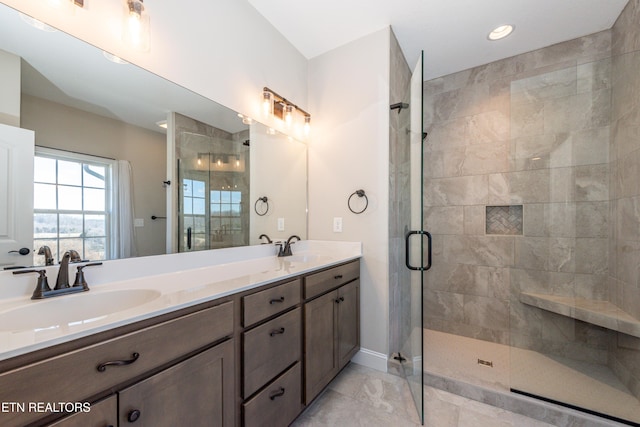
point(504, 220)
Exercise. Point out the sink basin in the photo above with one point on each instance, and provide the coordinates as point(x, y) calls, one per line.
point(72, 310)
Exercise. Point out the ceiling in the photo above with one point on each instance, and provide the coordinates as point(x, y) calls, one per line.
point(452, 33)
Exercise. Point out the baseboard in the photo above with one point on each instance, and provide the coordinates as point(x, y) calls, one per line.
point(371, 359)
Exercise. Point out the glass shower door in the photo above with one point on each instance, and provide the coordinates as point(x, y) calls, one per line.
point(417, 248)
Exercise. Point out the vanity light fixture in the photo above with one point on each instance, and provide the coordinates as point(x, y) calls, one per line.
point(66, 7)
point(500, 32)
point(136, 25)
point(283, 109)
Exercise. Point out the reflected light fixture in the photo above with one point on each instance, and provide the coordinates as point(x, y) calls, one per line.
point(283, 109)
point(136, 25)
point(500, 32)
point(245, 119)
point(162, 124)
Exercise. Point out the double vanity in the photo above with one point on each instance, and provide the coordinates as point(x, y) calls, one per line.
point(235, 336)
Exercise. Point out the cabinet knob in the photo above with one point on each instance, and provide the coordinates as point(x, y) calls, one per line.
point(133, 416)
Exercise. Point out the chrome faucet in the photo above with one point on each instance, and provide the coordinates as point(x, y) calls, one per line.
point(48, 257)
point(286, 249)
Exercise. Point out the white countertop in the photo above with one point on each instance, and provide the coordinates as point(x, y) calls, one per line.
point(178, 281)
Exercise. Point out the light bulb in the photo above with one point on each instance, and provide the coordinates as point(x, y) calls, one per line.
point(288, 115)
point(136, 25)
point(266, 102)
point(307, 125)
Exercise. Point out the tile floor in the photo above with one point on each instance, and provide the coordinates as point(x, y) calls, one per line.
point(361, 396)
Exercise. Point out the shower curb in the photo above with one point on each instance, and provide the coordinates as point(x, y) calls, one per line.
point(550, 413)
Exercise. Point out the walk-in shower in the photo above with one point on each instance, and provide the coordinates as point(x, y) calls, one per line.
point(532, 195)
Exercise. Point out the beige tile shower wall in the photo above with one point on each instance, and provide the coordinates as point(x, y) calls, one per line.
point(530, 130)
point(399, 203)
point(624, 262)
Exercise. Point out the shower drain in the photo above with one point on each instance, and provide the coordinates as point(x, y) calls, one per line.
point(485, 363)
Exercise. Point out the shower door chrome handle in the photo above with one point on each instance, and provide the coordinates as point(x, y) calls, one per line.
point(189, 238)
point(407, 249)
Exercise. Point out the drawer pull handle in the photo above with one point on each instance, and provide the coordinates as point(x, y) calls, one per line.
point(276, 332)
point(277, 393)
point(103, 366)
point(133, 416)
point(339, 300)
point(273, 301)
point(338, 277)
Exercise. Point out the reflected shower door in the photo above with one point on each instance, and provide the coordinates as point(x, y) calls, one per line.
point(417, 249)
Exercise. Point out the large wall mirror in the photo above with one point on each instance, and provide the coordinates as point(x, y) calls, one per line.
point(96, 125)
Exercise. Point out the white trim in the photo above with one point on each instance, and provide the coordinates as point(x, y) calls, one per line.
point(371, 359)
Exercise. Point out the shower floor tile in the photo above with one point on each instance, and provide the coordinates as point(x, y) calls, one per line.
point(585, 385)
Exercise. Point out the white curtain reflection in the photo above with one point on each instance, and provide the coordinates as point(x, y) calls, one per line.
point(123, 245)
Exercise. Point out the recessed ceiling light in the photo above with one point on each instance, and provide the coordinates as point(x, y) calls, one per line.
point(111, 57)
point(500, 32)
point(37, 24)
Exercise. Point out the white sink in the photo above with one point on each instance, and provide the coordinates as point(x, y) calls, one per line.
point(71, 310)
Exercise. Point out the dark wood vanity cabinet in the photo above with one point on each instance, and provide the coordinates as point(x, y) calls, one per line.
point(195, 344)
point(192, 393)
point(332, 335)
point(256, 358)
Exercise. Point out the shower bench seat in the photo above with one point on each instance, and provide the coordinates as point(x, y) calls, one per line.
point(601, 313)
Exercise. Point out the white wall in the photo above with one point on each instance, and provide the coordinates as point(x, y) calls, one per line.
point(9, 89)
point(349, 150)
point(222, 49)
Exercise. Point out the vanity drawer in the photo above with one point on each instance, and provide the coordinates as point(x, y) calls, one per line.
point(74, 376)
point(263, 304)
point(278, 404)
point(319, 283)
point(269, 349)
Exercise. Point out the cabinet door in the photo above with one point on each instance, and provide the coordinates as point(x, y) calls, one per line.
point(348, 323)
point(102, 414)
point(196, 392)
point(319, 343)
